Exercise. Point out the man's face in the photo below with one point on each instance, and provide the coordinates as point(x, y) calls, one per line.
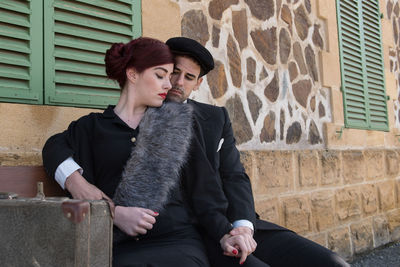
point(184, 79)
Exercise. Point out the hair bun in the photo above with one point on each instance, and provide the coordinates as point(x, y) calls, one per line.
point(140, 54)
point(114, 60)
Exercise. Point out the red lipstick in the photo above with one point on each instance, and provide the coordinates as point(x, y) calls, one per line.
point(163, 95)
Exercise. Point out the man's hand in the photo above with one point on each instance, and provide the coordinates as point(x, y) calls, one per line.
point(239, 245)
point(79, 188)
point(134, 221)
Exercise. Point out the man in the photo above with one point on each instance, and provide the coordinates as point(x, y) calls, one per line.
point(277, 246)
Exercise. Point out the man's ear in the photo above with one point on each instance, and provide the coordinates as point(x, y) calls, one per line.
point(199, 80)
point(131, 74)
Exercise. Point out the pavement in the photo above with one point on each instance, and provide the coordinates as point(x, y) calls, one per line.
point(386, 256)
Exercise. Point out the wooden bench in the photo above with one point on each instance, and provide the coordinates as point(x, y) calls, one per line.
point(22, 180)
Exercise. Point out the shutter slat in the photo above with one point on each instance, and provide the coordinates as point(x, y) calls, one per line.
point(355, 95)
point(350, 42)
point(352, 62)
point(12, 20)
point(89, 81)
point(115, 6)
point(13, 87)
point(79, 67)
point(355, 82)
point(9, 59)
point(349, 18)
point(15, 6)
point(92, 35)
point(81, 90)
point(373, 69)
point(14, 32)
point(13, 45)
point(358, 116)
point(76, 55)
point(95, 24)
point(14, 75)
point(83, 44)
point(92, 12)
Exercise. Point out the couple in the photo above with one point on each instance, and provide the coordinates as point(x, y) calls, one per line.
point(196, 201)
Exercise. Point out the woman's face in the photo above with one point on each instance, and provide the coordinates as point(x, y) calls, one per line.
point(153, 84)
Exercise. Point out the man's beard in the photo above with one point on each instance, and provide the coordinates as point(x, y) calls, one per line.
point(176, 97)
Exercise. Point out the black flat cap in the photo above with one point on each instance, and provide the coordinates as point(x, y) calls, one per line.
point(192, 48)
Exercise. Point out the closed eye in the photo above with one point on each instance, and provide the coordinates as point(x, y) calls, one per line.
point(190, 78)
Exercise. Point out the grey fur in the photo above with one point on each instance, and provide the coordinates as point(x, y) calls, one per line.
point(153, 168)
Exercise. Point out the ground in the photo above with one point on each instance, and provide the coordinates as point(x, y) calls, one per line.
point(386, 256)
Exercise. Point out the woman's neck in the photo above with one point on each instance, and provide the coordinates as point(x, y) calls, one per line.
point(129, 110)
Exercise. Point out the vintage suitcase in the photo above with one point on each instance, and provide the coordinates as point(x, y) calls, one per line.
point(54, 232)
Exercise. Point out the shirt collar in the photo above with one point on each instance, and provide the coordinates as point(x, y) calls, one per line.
point(110, 114)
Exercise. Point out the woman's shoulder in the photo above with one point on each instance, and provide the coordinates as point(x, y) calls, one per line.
point(87, 121)
point(89, 117)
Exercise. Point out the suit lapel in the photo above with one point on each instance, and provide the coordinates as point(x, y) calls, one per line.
point(210, 132)
point(198, 111)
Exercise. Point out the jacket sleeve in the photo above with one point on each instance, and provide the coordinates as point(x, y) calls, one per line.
point(73, 142)
point(205, 192)
point(236, 183)
point(55, 151)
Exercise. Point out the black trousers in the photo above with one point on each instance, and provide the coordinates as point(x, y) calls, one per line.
point(162, 253)
point(278, 248)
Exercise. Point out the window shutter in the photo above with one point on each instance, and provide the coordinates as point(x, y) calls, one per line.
point(361, 64)
point(374, 66)
point(77, 34)
point(21, 57)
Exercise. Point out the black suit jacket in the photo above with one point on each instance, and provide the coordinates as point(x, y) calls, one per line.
point(215, 126)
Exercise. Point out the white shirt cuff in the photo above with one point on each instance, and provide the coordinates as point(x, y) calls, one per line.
point(245, 223)
point(65, 169)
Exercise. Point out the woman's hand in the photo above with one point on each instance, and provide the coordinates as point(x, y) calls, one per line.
point(240, 245)
point(79, 188)
point(134, 221)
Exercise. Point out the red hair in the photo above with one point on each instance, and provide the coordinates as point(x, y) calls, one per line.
point(141, 53)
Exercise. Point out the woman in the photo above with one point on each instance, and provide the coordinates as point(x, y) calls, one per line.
point(102, 144)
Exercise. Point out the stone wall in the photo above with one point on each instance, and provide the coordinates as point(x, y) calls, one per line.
point(348, 201)
point(267, 68)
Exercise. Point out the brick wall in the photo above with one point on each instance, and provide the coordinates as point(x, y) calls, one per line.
point(346, 200)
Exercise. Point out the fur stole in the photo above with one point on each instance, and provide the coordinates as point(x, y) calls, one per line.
point(161, 150)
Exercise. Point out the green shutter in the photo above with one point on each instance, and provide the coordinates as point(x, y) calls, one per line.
point(363, 82)
point(21, 57)
point(374, 66)
point(77, 34)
